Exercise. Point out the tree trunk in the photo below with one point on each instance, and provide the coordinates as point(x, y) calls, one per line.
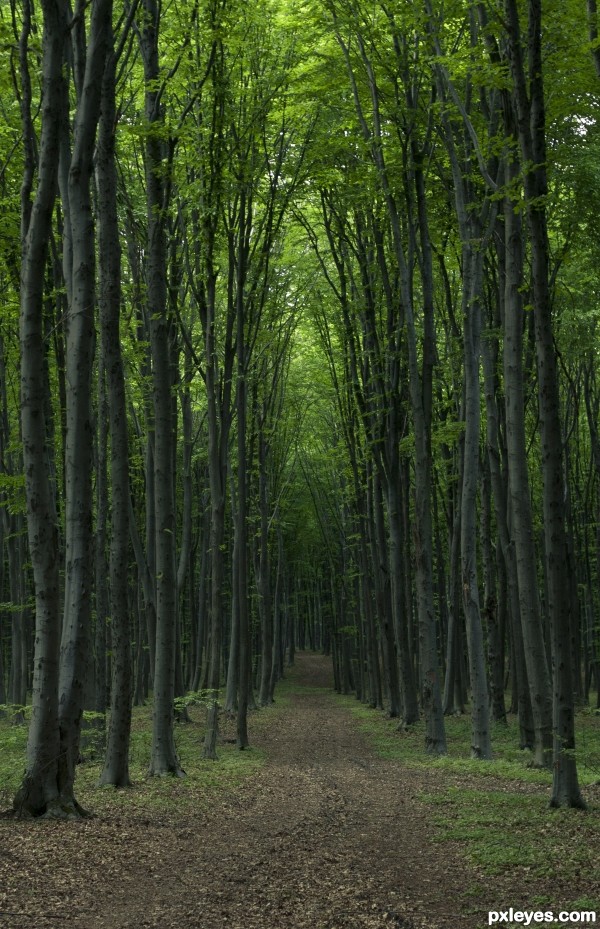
point(480, 736)
point(490, 602)
point(40, 790)
point(116, 763)
point(383, 599)
point(216, 471)
point(241, 578)
point(410, 707)
point(164, 758)
point(420, 383)
point(264, 573)
point(233, 670)
point(530, 108)
point(519, 492)
point(79, 264)
point(100, 541)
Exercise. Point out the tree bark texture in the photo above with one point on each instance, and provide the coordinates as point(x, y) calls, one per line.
point(530, 109)
point(164, 758)
point(116, 763)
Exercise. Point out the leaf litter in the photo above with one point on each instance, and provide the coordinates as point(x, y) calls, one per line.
point(324, 835)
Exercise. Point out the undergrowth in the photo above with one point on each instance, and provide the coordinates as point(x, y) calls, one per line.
point(202, 778)
point(509, 762)
point(497, 811)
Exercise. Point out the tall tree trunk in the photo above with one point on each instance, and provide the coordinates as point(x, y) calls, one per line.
point(100, 540)
point(264, 574)
point(40, 790)
point(519, 492)
point(530, 108)
point(480, 735)
point(410, 707)
point(496, 457)
point(233, 669)
point(217, 474)
point(241, 577)
point(164, 758)
point(453, 702)
point(2, 676)
point(383, 597)
point(79, 262)
point(277, 665)
point(116, 763)
point(420, 393)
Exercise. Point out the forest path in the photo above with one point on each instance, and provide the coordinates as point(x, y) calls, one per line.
point(326, 835)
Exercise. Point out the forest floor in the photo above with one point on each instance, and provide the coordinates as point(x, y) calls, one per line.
point(325, 834)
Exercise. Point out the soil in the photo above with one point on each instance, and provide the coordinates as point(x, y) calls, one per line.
point(326, 835)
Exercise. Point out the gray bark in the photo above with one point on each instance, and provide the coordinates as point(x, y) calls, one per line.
point(480, 734)
point(12, 528)
point(116, 763)
point(277, 665)
point(100, 540)
point(40, 790)
point(453, 692)
point(490, 602)
point(218, 432)
point(241, 533)
point(164, 758)
point(519, 490)
point(79, 252)
point(507, 547)
point(530, 109)
point(264, 571)
point(383, 603)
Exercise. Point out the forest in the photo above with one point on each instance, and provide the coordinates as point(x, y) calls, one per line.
point(299, 348)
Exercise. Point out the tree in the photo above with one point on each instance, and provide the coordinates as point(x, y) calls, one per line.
point(116, 765)
point(529, 104)
point(79, 274)
point(47, 787)
point(164, 756)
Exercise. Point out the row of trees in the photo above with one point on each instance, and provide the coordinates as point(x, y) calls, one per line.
point(305, 356)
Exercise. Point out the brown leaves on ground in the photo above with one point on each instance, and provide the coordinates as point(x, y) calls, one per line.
point(325, 836)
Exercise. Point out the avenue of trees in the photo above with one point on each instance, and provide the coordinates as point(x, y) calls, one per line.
point(299, 348)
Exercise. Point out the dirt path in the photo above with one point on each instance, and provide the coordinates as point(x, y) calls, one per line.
point(325, 836)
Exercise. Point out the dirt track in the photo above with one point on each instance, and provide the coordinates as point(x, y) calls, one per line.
point(325, 836)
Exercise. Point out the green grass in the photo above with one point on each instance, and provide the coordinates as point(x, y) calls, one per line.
point(504, 829)
point(202, 778)
point(495, 810)
point(13, 741)
point(509, 762)
point(289, 686)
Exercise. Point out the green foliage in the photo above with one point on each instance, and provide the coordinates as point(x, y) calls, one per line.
point(498, 811)
point(351, 631)
point(12, 486)
point(448, 433)
point(196, 698)
point(509, 762)
point(202, 779)
point(14, 709)
point(13, 742)
point(505, 829)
